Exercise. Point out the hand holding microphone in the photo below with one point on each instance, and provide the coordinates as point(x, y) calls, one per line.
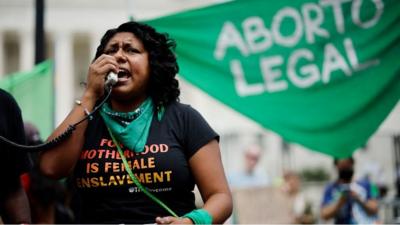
point(102, 75)
point(111, 80)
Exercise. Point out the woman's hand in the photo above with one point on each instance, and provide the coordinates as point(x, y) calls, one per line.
point(98, 70)
point(173, 220)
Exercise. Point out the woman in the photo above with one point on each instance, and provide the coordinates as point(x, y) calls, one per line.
point(168, 145)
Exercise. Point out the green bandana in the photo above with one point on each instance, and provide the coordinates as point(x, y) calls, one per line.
point(132, 128)
point(199, 216)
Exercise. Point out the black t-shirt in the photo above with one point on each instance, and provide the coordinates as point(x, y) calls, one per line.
point(106, 191)
point(13, 162)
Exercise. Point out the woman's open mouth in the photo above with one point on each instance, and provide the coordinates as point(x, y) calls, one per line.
point(123, 75)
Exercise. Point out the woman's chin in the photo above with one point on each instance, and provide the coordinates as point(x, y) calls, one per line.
point(123, 93)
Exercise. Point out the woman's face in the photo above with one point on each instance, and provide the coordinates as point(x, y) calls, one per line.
point(133, 61)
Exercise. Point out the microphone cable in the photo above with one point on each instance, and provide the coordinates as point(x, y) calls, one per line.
point(60, 138)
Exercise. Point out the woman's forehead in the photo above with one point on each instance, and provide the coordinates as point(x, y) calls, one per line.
point(124, 37)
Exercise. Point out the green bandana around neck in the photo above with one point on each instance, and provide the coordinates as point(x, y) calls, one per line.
point(132, 128)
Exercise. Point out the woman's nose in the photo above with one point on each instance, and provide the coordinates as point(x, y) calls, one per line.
point(119, 55)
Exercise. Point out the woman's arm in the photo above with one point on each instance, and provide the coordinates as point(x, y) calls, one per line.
point(206, 165)
point(59, 161)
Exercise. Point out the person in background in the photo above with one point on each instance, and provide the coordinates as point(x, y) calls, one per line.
point(14, 205)
point(32, 134)
point(47, 197)
point(168, 145)
point(249, 176)
point(348, 201)
point(301, 209)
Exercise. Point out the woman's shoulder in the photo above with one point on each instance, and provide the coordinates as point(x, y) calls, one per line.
point(7, 99)
point(178, 105)
point(180, 108)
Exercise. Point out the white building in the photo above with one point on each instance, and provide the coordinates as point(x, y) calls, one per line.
point(73, 30)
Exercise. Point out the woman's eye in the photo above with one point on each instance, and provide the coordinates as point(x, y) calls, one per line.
point(132, 50)
point(110, 51)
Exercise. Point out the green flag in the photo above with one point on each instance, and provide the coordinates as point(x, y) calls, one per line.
point(324, 74)
point(33, 92)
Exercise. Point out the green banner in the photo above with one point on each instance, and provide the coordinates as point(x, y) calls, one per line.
point(33, 91)
point(323, 74)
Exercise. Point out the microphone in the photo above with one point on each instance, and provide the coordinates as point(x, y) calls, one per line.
point(111, 80)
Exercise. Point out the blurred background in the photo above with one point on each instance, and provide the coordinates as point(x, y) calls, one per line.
point(72, 32)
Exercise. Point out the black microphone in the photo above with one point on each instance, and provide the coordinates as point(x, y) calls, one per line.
point(111, 80)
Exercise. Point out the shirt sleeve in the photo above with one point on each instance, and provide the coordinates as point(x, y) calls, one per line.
point(327, 197)
point(197, 132)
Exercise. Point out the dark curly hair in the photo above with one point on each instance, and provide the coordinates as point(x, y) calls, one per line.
point(163, 86)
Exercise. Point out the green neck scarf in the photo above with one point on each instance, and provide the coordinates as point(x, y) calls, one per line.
point(132, 128)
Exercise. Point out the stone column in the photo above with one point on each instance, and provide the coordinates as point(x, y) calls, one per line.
point(2, 45)
point(95, 38)
point(64, 77)
point(26, 50)
point(274, 152)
